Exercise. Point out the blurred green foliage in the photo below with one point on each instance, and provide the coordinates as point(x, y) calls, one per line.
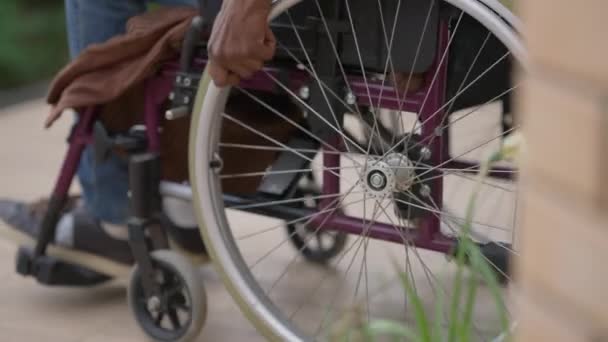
point(33, 43)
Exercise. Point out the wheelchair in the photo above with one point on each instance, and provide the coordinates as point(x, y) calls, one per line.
point(312, 207)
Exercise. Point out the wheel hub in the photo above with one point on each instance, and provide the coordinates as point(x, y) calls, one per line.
point(403, 170)
point(154, 304)
point(394, 173)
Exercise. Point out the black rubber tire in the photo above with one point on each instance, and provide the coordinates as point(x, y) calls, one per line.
point(178, 267)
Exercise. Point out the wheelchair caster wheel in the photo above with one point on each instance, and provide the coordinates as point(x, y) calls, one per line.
point(179, 311)
point(318, 246)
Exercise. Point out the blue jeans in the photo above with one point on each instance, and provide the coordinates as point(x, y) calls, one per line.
point(104, 185)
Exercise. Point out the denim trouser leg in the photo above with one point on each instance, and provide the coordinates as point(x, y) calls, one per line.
point(104, 185)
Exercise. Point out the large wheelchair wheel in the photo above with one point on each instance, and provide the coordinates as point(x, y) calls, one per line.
point(396, 163)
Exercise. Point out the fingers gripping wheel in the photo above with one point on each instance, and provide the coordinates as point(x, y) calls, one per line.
point(179, 310)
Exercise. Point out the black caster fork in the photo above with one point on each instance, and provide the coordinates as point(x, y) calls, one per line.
point(166, 293)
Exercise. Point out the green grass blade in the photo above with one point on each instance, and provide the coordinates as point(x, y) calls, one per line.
point(488, 275)
point(396, 330)
point(477, 262)
point(454, 316)
point(467, 326)
point(419, 313)
point(437, 328)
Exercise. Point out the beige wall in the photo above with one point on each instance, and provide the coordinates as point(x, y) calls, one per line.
point(563, 269)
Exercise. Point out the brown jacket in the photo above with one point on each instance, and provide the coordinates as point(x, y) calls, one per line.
point(112, 74)
point(105, 72)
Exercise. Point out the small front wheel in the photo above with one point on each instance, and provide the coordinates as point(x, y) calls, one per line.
point(179, 311)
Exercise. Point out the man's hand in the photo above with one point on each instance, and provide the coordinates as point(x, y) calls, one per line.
point(241, 41)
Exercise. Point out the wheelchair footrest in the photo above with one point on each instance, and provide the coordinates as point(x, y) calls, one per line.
point(53, 272)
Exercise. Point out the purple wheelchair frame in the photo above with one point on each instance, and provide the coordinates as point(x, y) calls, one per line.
point(429, 102)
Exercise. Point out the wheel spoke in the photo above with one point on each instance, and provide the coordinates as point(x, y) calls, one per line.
point(430, 278)
point(332, 209)
point(335, 50)
point(280, 172)
point(326, 87)
point(292, 122)
point(174, 289)
point(318, 80)
point(363, 74)
point(311, 73)
point(294, 221)
point(174, 319)
point(429, 274)
point(159, 318)
point(291, 235)
point(449, 102)
point(319, 239)
point(417, 55)
point(340, 65)
point(459, 174)
point(486, 258)
point(363, 263)
point(285, 201)
point(466, 152)
point(244, 125)
point(471, 67)
point(361, 241)
point(474, 110)
point(184, 307)
point(436, 212)
point(324, 277)
point(312, 110)
point(434, 79)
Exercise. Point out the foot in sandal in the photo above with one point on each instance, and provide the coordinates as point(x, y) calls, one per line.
point(83, 240)
point(79, 239)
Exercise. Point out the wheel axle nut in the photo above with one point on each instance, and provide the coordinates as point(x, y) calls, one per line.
point(350, 98)
point(304, 93)
point(377, 180)
point(425, 191)
point(425, 153)
point(154, 304)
